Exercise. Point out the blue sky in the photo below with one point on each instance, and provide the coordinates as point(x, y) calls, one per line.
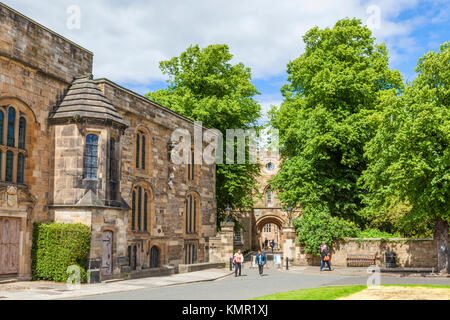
point(130, 38)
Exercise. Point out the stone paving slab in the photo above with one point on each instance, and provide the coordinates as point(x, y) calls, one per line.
point(45, 290)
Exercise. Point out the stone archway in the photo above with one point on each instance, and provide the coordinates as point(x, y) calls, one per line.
point(264, 220)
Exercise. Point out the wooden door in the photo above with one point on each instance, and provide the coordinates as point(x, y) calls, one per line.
point(9, 245)
point(107, 253)
point(154, 257)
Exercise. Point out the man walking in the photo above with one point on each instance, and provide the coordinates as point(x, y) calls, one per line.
point(260, 261)
point(238, 260)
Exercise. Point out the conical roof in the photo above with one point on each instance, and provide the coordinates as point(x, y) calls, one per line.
point(85, 100)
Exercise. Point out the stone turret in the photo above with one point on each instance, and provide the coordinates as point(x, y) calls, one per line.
point(87, 130)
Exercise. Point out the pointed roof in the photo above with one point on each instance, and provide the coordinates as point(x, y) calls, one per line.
point(85, 100)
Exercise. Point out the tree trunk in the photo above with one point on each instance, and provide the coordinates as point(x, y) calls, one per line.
point(441, 237)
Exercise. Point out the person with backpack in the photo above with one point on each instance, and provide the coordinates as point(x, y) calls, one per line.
point(260, 260)
point(324, 256)
point(238, 261)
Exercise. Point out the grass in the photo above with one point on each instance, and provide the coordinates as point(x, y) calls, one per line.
point(333, 292)
point(322, 293)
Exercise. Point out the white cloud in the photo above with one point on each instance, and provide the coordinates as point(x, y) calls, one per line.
point(130, 38)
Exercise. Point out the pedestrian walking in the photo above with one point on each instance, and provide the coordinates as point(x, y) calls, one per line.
point(272, 245)
point(238, 261)
point(324, 256)
point(260, 260)
point(266, 242)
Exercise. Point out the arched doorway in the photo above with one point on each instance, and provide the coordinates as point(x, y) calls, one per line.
point(154, 257)
point(269, 227)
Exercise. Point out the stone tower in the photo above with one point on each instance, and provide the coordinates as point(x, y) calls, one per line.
point(88, 133)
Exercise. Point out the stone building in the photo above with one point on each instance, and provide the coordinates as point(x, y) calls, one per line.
point(267, 218)
point(75, 149)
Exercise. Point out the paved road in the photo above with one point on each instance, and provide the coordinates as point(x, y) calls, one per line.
point(251, 285)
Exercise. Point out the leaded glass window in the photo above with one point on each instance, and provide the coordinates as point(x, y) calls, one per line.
point(91, 157)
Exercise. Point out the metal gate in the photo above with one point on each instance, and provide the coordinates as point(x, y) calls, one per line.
point(107, 253)
point(154, 257)
point(9, 245)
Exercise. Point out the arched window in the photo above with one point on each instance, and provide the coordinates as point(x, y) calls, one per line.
point(91, 157)
point(22, 132)
point(13, 151)
point(140, 209)
point(269, 195)
point(138, 147)
point(191, 213)
point(191, 166)
point(143, 153)
point(140, 150)
point(11, 127)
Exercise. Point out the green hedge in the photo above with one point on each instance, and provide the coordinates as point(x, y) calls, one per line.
point(57, 246)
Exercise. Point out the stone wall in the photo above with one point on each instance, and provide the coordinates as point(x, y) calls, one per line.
point(33, 45)
point(418, 253)
point(221, 246)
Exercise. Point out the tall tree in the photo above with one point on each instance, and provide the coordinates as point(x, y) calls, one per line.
point(409, 158)
point(203, 85)
point(325, 119)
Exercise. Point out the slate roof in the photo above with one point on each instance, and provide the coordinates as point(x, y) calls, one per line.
point(85, 100)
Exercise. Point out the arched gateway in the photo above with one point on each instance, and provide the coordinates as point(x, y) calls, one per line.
point(268, 211)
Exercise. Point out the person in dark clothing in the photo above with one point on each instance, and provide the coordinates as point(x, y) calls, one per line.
point(266, 242)
point(260, 260)
point(324, 256)
point(272, 244)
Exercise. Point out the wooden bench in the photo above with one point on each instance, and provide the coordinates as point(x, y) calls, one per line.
point(360, 260)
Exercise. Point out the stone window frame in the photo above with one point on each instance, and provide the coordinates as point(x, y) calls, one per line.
point(192, 214)
point(141, 223)
point(269, 196)
point(97, 134)
point(191, 167)
point(22, 144)
point(113, 167)
point(142, 150)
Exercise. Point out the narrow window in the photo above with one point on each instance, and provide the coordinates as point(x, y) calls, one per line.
point(189, 167)
point(91, 157)
point(11, 126)
point(1, 126)
point(112, 169)
point(139, 207)
point(9, 166)
point(192, 165)
point(190, 214)
point(195, 215)
point(133, 212)
point(187, 214)
point(20, 168)
point(145, 210)
point(22, 132)
point(143, 153)
point(137, 149)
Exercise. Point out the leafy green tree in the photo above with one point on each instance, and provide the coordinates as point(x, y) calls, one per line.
point(409, 158)
point(203, 85)
point(327, 116)
point(316, 225)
